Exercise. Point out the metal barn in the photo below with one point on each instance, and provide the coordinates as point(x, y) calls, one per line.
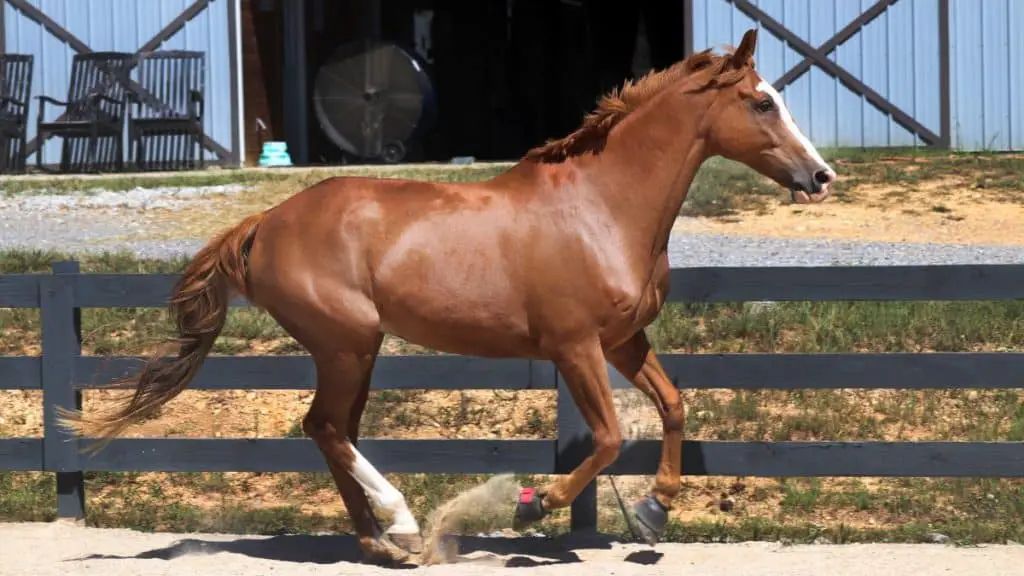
point(52, 31)
point(506, 74)
point(900, 72)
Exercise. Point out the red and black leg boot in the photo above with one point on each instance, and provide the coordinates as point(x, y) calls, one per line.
point(529, 509)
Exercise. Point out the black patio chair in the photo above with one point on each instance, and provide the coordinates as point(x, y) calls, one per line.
point(15, 89)
point(92, 124)
point(165, 123)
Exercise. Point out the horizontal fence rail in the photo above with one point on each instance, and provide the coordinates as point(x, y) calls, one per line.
point(697, 284)
point(62, 372)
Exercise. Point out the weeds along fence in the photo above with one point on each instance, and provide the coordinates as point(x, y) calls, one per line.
point(61, 372)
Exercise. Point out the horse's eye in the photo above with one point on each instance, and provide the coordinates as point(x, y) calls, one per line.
point(766, 105)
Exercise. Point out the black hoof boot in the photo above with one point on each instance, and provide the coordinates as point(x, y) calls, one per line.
point(529, 509)
point(651, 518)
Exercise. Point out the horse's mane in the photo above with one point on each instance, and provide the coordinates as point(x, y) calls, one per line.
point(614, 106)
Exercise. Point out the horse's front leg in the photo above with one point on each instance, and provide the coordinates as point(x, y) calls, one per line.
point(635, 360)
point(586, 375)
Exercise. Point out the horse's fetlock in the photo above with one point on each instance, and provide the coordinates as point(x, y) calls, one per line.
point(674, 417)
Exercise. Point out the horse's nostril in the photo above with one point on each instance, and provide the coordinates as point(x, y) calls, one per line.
point(823, 176)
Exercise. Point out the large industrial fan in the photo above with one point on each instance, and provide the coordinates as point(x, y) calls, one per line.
point(373, 99)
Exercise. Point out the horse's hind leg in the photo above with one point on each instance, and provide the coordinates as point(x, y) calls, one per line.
point(342, 377)
point(636, 361)
point(405, 535)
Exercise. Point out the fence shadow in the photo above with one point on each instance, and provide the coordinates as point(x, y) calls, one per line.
point(508, 552)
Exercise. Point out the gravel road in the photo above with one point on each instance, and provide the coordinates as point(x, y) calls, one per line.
point(100, 219)
point(57, 549)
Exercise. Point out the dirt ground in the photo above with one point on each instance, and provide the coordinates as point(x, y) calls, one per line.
point(57, 549)
point(947, 207)
point(941, 211)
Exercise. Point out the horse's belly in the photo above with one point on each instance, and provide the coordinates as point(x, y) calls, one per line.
point(452, 283)
point(482, 334)
point(456, 315)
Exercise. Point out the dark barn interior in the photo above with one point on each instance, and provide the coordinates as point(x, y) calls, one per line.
point(507, 74)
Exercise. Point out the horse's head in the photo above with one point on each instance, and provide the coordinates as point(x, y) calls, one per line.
point(749, 123)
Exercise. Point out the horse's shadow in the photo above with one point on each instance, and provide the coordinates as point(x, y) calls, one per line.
point(510, 552)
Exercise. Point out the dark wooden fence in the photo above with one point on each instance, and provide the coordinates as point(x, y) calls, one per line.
point(61, 372)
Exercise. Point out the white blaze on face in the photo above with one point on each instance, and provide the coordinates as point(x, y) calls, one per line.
point(787, 120)
point(383, 494)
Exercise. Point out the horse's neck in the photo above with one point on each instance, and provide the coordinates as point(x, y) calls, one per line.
point(648, 163)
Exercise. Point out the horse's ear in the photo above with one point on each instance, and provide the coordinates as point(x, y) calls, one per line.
point(745, 52)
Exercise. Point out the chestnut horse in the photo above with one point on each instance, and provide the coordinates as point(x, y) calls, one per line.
point(563, 257)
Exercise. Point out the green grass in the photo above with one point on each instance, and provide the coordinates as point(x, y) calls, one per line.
point(840, 327)
point(72, 184)
point(245, 177)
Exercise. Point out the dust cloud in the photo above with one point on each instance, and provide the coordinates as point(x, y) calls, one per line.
point(488, 504)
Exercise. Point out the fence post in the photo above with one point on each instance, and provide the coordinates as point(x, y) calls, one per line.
point(574, 443)
point(61, 341)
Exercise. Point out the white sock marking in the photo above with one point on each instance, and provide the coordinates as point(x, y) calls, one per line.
point(384, 495)
point(787, 119)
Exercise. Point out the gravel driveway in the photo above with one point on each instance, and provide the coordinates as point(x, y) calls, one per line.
point(97, 221)
point(56, 549)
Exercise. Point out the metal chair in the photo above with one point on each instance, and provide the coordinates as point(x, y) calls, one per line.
point(165, 124)
point(94, 109)
point(15, 88)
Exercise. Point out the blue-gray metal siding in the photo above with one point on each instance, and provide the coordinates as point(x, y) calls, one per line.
point(987, 73)
point(897, 55)
point(123, 25)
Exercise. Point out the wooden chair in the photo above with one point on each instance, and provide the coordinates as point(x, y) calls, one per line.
point(165, 124)
point(94, 110)
point(15, 89)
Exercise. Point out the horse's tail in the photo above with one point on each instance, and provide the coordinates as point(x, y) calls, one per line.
point(199, 305)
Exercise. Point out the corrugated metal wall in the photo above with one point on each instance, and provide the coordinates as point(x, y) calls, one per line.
point(123, 25)
point(987, 73)
point(897, 55)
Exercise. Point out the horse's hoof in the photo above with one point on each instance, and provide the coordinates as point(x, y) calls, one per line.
point(651, 518)
point(529, 509)
point(411, 543)
point(382, 551)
